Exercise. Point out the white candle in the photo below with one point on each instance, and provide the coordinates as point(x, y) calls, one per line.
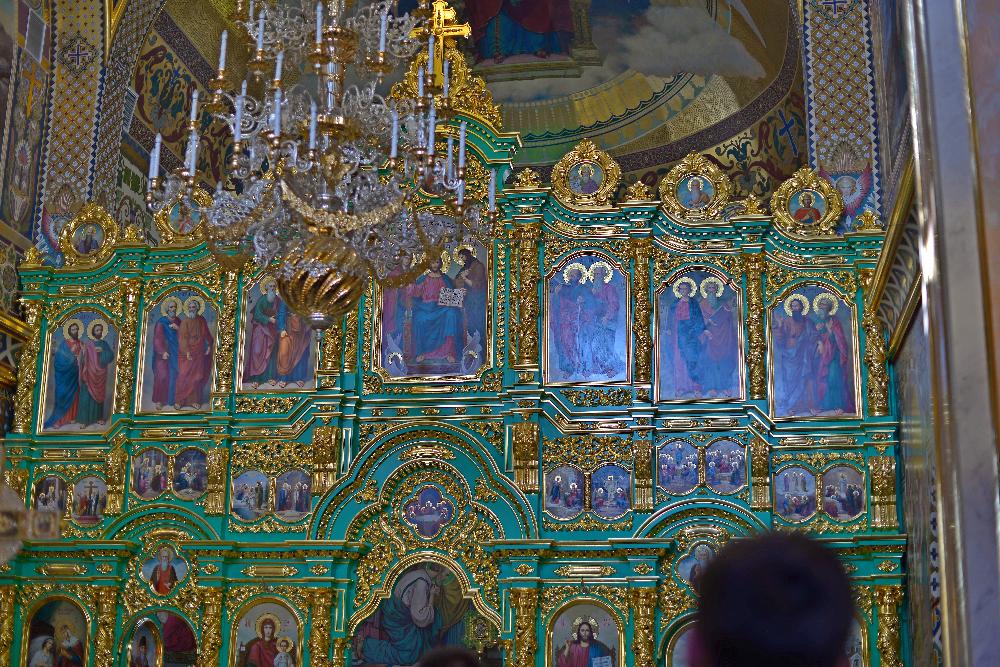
point(154, 156)
point(394, 149)
point(276, 120)
point(253, 3)
point(461, 193)
point(420, 82)
point(243, 88)
point(461, 146)
point(383, 28)
point(451, 156)
point(278, 64)
point(430, 58)
point(447, 72)
point(431, 127)
point(238, 121)
point(260, 31)
point(194, 106)
point(493, 191)
point(192, 153)
point(222, 50)
point(159, 146)
point(319, 22)
point(312, 126)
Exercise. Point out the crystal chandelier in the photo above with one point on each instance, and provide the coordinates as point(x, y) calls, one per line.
point(329, 179)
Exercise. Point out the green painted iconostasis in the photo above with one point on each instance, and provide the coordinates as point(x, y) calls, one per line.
point(668, 344)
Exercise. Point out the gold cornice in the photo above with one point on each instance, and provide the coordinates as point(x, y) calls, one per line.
point(894, 233)
point(14, 327)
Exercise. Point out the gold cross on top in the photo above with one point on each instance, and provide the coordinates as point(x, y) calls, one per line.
point(445, 28)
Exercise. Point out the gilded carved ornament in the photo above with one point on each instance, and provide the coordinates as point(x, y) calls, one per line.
point(875, 362)
point(524, 602)
point(176, 224)
point(586, 177)
point(695, 189)
point(88, 240)
point(887, 601)
point(643, 631)
point(807, 206)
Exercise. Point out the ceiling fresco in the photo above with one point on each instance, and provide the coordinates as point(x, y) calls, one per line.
point(632, 75)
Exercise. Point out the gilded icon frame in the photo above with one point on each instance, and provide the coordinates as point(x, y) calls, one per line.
point(736, 286)
point(695, 166)
point(145, 329)
point(435, 382)
point(171, 237)
point(29, 616)
point(248, 606)
point(129, 638)
point(802, 181)
point(57, 322)
point(93, 216)
point(777, 302)
point(586, 153)
point(315, 348)
point(613, 614)
point(560, 265)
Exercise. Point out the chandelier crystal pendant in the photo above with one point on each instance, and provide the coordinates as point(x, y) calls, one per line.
point(329, 179)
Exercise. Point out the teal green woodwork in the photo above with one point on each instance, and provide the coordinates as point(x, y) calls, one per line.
point(485, 442)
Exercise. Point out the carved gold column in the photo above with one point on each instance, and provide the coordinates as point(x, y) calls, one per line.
point(131, 291)
point(215, 499)
point(351, 337)
point(27, 367)
point(326, 457)
point(319, 631)
point(339, 651)
point(644, 459)
point(526, 456)
point(878, 377)
point(760, 475)
point(115, 473)
point(7, 594)
point(106, 598)
point(527, 236)
point(524, 602)
point(887, 599)
point(753, 267)
point(211, 627)
point(332, 348)
point(643, 638)
point(227, 332)
point(642, 250)
point(883, 474)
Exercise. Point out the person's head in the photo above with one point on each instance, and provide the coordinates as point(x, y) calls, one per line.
point(434, 265)
point(694, 185)
point(466, 256)
point(585, 633)
point(192, 308)
point(824, 307)
point(47, 644)
point(267, 628)
point(270, 289)
point(600, 272)
point(284, 644)
point(684, 289)
point(806, 199)
point(575, 275)
point(776, 599)
point(97, 331)
point(172, 308)
point(450, 656)
point(74, 331)
point(165, 555)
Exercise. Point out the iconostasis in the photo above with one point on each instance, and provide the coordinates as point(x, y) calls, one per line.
point(532, 449)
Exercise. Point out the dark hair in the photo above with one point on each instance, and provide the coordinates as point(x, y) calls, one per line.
point(777, 599)
point(449, 657)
